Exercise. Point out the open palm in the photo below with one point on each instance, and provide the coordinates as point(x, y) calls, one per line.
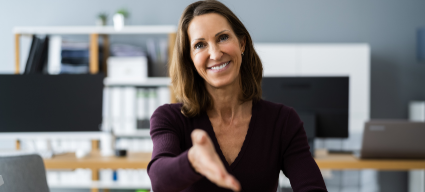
point(205, 161)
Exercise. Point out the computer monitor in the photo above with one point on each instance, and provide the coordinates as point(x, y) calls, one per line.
point(322, 100)
point(50, 103)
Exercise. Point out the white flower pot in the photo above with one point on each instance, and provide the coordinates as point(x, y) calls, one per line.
point(118, 21)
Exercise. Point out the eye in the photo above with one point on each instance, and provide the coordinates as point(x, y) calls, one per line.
point(199, 45)
point(224, 37)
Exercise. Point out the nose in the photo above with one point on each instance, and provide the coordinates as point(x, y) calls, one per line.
point(215, 52)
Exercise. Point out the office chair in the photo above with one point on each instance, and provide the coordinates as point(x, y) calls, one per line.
point(23, 173)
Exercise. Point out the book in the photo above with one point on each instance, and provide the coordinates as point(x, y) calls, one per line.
point(54, 56)
point(24, 50)
point(75, 60)
point(129, 109)
point(164, 95)
point(152, 101)
point(75, 57)
point(106, 110)
point(37, 58)
point(116, 109)
point(84, 53)
point(41, 60)
point(34, 46)
point(142, 109)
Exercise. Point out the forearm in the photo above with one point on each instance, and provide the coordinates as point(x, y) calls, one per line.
point(172, 173)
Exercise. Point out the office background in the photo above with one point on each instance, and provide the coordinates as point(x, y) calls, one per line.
point(389, 27)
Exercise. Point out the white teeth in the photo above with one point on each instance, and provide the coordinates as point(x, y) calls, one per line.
point(221, 66)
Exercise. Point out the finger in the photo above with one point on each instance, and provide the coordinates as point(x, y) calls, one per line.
point(232, 183)
point(223, 178)
point(226, 180)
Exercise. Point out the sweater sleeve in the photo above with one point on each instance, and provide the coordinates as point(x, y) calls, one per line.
point(169, 169)
point(298, 164)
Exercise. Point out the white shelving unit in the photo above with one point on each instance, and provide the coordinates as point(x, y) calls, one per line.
point(152, 81)
point(138, 133)
point(95, 33)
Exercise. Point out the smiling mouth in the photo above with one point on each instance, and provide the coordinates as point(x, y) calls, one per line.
point(219, 67)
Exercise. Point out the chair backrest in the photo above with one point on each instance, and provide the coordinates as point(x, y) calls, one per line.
point(23, 173)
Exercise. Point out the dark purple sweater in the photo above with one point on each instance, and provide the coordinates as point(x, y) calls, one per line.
point(275, 141)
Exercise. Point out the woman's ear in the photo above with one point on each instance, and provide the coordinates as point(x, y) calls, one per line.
point(242, 43)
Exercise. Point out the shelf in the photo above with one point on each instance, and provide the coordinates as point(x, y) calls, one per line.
point(100, 185)
point(95, 161)
point(52, 135)
point(79, 30)
point(138, 133)
point(152, 81)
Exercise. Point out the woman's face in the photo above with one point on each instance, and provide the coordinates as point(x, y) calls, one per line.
point(215, 49)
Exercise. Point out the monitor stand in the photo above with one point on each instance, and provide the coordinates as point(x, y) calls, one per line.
point(309, 120)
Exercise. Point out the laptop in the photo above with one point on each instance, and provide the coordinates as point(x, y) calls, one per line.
point(396, 139)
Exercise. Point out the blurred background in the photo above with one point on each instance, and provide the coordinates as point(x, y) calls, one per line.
point(390, 31)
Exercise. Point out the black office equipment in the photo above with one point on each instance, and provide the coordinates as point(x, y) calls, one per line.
point(394, 139)
point(309, 120)
point(50, 103)
point(325, 98)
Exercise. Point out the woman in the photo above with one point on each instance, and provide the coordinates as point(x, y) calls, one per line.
point(223, 135)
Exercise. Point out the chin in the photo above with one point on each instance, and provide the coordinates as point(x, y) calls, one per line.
point(221, 83)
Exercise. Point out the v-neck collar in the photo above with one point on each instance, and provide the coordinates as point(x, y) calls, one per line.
point(210, 131)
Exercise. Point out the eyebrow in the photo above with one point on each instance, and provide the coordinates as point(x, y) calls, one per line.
point(214, 36)
point(220, 32)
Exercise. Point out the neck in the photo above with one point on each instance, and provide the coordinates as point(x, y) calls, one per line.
point(227, 105)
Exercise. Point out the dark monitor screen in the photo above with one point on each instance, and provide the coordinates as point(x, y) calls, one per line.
point(325, 97)
point(50, 103)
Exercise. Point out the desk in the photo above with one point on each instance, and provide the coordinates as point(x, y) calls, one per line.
point(346, 161)
point(95, 161)
point(140, 161)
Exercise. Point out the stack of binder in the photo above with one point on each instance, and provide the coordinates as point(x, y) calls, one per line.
point(127, 109)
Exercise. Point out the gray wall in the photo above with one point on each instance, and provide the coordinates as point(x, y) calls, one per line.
point(389, 27)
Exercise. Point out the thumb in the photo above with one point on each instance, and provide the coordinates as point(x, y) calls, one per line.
point(198, 136)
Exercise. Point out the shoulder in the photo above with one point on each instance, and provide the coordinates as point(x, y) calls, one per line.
point(168, 109)
point(169, 112)
point(278, 114)
point(268, 107)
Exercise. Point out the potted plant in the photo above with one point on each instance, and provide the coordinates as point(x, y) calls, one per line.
point(101, 19)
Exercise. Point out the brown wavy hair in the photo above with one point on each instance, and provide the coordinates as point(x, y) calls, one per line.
point(189, 86)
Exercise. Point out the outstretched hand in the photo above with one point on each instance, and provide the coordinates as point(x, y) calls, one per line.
point(205, 161)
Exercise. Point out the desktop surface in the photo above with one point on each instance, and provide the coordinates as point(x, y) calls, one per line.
point(141, 161)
